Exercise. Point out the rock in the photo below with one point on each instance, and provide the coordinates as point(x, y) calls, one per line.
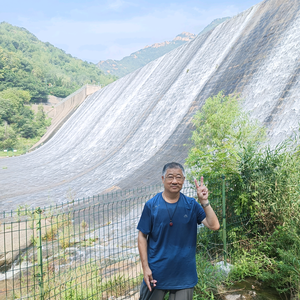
point(252, 294)
point(233, 297)
point(16, 237)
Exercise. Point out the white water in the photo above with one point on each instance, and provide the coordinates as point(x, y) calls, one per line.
point(270, 82)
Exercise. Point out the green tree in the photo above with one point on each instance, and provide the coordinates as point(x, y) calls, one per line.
point(28, 130)
point(8, 137)
point(7, 110)
point(222, 134)
point(41, 121)
point(19, 119)
point(17, 97)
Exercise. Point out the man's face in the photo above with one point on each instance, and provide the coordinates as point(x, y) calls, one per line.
point(173, 180)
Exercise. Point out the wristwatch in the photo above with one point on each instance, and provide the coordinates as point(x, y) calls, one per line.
point(205, 205)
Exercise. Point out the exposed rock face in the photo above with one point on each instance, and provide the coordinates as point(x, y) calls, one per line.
point(123, 134)
point(184, 36)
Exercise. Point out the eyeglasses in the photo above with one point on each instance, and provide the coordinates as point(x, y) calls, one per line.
point(171, 178)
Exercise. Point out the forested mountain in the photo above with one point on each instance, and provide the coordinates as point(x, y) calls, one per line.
point(30, 70)
point(28, 64)
point(142, 57)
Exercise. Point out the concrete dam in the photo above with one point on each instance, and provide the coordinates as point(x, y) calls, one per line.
point(122, 135)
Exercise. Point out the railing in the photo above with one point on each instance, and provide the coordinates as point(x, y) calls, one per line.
point(87, 249)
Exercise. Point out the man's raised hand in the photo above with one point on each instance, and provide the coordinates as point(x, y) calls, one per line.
point(202, 191)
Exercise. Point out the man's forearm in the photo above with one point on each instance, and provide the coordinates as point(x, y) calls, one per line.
point(212, 221)
point(142, 245)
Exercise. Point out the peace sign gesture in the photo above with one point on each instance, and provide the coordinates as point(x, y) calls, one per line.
point(211, 220)
point(202, 191)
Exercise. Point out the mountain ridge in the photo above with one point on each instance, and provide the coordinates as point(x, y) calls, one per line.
point(41, 68)
point(143, 56)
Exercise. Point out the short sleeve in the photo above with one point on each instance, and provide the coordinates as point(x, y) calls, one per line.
point(145, 223)
point(200, 213)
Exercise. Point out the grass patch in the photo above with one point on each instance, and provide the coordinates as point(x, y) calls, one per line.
point(79, 282)
point(23, 146)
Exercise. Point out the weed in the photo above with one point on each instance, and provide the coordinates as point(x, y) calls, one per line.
point(89, 242)
point(84, 224)
point(34, 240)
point(66, 236)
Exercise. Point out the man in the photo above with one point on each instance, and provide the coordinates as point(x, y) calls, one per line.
point(167, 237)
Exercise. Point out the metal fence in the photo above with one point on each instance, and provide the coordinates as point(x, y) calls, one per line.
point(87, 249)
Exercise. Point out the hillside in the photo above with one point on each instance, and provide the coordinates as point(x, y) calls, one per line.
point(40, 68)
point(142, 57)
point(30, 71)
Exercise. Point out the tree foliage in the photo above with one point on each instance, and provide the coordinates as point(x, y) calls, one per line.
point(222, 134)
point(18, 120)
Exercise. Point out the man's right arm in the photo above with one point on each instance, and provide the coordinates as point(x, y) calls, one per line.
point(142, 245)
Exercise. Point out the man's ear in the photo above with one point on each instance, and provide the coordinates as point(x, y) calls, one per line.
point(162, 179)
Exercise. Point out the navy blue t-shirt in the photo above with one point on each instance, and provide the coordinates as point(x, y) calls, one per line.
point(172, 249)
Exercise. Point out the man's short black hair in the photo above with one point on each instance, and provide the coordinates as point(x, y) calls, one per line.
point(172, 165)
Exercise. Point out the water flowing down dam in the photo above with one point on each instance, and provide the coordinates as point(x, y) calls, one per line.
point(123, 134)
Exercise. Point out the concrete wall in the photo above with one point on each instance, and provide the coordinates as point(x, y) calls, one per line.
point(64, 109)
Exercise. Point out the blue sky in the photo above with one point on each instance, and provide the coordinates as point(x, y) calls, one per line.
point(98, 30)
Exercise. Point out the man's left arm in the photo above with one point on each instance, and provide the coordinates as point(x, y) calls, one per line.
point(211, 221)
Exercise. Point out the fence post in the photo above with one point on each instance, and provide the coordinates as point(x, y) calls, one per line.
point(224, 221)
point(40, 254)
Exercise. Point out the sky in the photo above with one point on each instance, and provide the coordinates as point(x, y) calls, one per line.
point(112, 29)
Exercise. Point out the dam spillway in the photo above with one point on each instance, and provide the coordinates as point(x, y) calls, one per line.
point(122, 135)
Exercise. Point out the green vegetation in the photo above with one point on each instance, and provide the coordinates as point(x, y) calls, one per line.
point(40, 68)
point(209, 278)
point(78, 283)
point(265, 185)
point(222, 137)
point(19, 125)
point(30, 70)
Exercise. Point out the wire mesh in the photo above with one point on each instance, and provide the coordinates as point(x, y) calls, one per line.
point(88, 248)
